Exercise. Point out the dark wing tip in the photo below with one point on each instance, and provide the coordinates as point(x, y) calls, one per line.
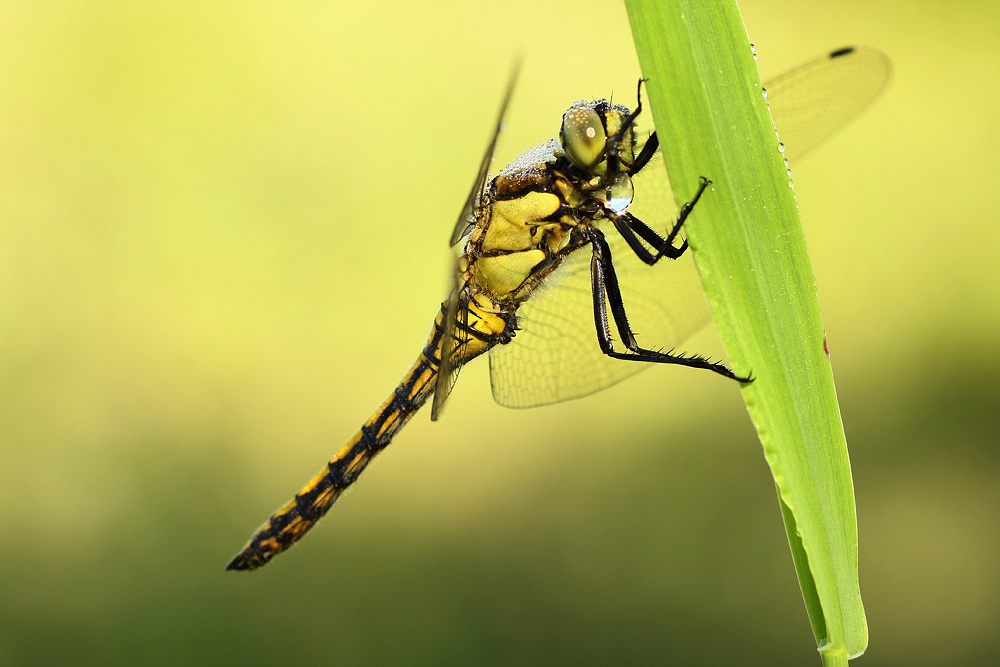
point(841, 52)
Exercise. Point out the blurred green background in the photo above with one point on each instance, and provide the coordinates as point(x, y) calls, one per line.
point(222, 240)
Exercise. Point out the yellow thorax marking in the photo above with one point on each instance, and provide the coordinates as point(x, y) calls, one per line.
point(504, 274)
point(511, 222)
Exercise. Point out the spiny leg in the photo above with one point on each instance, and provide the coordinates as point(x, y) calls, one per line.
point(632, 116)
point(645, 155)
point(686, 211)
point(606, 291)
point(615, 141)
point(629, 226)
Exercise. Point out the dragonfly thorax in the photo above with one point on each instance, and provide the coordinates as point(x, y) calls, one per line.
point(537, 209)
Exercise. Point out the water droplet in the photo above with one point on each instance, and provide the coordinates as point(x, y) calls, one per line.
point(754, 84)
point(753, 48)
point(764, 90)
point(781, 147)
point(618, 197)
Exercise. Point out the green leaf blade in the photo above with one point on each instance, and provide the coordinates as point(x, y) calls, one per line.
point(712, 120)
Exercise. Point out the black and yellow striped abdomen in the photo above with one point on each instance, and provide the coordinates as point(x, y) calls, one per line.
point(291, 522)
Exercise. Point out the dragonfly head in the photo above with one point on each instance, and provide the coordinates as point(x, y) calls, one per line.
point(593, 132)
point(599, 139)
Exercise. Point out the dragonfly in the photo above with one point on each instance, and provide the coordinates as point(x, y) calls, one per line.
point(550, 249)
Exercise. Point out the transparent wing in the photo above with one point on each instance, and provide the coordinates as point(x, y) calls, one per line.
point(452, 340)
point(466, 217)
point(813, 101)
point(555, 355)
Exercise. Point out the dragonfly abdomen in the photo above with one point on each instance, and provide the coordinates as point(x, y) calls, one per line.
point(295, 518)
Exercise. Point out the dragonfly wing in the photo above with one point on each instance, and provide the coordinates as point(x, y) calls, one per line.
point(555, 355)
point(813, 101)
point(451, 342)
point(467, 216)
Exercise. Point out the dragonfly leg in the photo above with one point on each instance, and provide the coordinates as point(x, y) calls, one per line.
point(686, 211)
point(632, 116)
point(645, 155)
point(629, 226)
point(606, 292)
point(614, 142)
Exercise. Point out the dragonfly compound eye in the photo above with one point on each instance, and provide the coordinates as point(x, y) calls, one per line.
point(583, 136)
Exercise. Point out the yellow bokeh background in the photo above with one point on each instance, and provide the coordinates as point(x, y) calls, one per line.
point(223, 238)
